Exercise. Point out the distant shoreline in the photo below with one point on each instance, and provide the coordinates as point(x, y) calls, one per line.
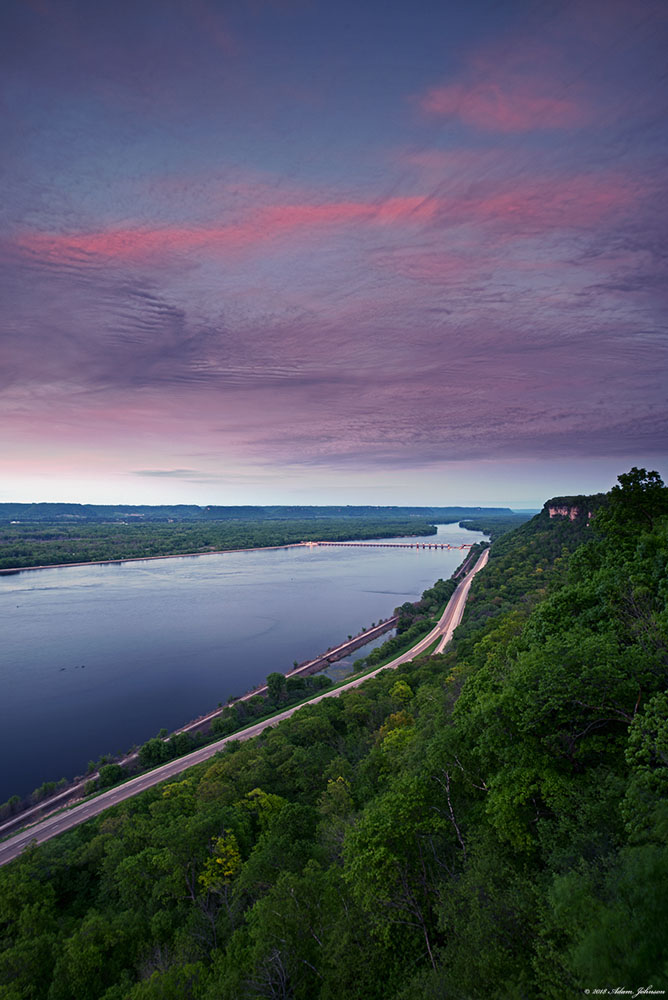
point(13, 570)
point(10, 571)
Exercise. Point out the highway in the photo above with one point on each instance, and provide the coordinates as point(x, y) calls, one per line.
point(69, 818)
point(457, 603)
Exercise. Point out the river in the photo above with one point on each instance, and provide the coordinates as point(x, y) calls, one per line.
point(98, 658)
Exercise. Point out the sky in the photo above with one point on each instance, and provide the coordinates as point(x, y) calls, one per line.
point(279, 251)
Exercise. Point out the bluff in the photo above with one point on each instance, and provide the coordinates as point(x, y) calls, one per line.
point(574, 507)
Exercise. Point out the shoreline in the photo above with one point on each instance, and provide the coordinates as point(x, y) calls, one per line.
point(204, 721)
point(57, 821)
point(11, 570)
point(75, 790)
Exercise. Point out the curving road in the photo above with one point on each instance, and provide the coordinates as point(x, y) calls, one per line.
point(452, 615)
point(66, 820)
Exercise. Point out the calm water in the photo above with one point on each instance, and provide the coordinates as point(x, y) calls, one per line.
point(97, 658)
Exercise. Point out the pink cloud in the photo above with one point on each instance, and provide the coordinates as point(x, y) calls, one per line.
point(441, 162)
point(530, 204)
point(261, 227)
point(511, 106)
point(518, 86)
point(553, 203)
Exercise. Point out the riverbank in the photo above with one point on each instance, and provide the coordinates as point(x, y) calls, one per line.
point(130, 559)
point(48, 546)
point(58, 820)
point(201, 725)
point(308, 667)
point(101, 658)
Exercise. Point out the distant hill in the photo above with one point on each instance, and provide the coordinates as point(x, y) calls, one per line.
point(75, 513)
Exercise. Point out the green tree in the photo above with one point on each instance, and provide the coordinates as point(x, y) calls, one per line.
point(276, 687)
point(636, 502)
point(154, 752)
point(111, 774)
point(94, 956)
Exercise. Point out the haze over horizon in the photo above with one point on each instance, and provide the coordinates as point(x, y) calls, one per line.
point(281, 252)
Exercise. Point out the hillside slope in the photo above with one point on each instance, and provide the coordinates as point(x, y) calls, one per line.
point(491, 822)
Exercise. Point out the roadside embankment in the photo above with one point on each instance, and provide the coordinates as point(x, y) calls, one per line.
point(304, 669)
point(202, 725)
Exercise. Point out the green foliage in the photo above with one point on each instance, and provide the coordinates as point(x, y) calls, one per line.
point(10, 807)
point(35, 544)
point(399, 644)
point(224, 864)
point(495, 525)
point(281, 693)
point(430, 605)
point(76, 513)
point(45, 790)
point(638, 499)
point(644, 808)
point(276, 687)
point(154, 752)
point(524, 566)
point(401, 692)
point(492, 822)
point(111, 774)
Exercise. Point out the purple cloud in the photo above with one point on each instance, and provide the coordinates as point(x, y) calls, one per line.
point(292, 265)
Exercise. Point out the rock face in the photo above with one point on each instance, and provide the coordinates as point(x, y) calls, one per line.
point(580, 508)
point(570, 512)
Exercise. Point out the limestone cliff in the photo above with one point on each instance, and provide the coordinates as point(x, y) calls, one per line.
point(574, 507)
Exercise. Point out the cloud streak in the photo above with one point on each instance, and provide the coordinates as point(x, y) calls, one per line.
point(535, 204)
point(260, 228)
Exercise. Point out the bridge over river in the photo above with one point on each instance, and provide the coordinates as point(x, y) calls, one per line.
point(394, 545)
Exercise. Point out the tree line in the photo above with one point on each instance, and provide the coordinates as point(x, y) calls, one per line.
point(24, 545)
point(77, 513)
